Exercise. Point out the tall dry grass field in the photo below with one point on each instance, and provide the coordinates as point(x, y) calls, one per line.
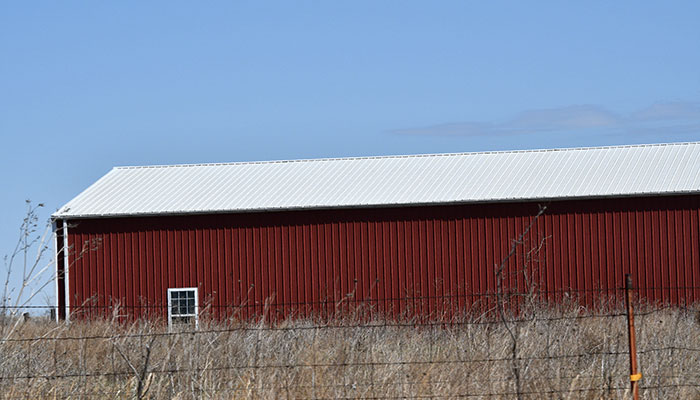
point(541, 354)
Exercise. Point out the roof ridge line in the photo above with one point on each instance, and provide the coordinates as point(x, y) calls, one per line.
point(304, 160)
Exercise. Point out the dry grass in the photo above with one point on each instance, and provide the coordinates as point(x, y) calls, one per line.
point(561, 355)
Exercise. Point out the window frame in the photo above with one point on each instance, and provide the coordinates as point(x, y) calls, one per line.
point(196, 305)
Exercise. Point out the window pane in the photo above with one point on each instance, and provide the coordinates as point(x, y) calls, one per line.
point(182, 304)
point(182, 320)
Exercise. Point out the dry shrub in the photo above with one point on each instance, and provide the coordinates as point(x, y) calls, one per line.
point(563, 353)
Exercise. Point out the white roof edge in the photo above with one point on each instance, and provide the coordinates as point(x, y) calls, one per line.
point(55, 216)
point(400, 156)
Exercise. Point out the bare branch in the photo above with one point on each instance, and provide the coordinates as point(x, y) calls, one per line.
point(512, 330)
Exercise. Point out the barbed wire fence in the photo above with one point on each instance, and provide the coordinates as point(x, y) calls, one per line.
point(563, 351)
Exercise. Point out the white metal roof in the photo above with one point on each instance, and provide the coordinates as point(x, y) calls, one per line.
point(392, 180)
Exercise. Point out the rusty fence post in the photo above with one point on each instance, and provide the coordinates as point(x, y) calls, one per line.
point(635, 376)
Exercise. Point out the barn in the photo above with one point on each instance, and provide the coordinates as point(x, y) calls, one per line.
point(396, 234)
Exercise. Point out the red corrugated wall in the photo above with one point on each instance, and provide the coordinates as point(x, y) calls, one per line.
point(408, 259)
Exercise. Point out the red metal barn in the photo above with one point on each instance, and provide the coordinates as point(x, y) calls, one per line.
point(421, 234)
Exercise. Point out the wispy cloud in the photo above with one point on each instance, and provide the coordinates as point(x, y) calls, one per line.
point(676, 129)
point(666, 111)
point(573, 117)
point(668, 118)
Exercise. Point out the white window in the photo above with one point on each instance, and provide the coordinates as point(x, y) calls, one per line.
point(183, 306)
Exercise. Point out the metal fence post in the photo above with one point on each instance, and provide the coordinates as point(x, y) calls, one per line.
point(635, 376)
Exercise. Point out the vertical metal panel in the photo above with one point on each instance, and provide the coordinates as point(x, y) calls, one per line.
point(416, 260)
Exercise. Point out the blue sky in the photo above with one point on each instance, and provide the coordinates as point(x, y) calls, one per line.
point(88, 86)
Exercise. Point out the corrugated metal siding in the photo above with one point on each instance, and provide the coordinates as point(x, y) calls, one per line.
point(392, 181)
point(419, 259)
